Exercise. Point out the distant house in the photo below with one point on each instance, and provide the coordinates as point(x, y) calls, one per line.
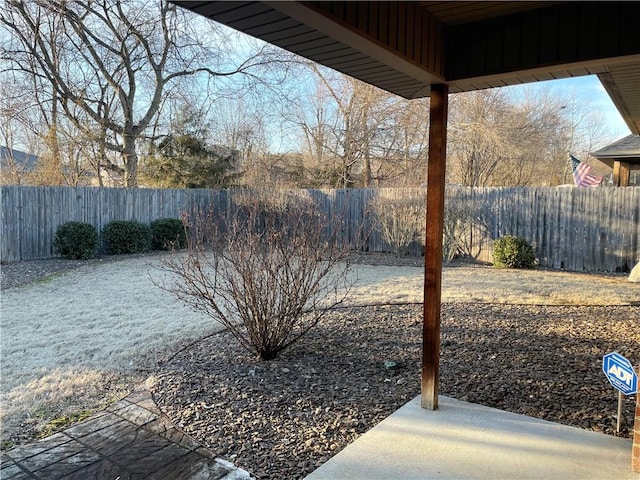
point(623, 157)
point(14, 165)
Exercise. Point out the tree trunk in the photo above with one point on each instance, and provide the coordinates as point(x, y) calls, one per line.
point(366, 169)
point(130, 160)
point(55, 171)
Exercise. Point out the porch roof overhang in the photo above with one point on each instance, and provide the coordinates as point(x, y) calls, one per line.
point(406, 47)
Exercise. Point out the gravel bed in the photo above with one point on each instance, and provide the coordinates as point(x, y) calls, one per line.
point(15, 274)
point(283, 418)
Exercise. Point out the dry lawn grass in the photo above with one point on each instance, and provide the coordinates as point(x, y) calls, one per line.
point(489, 285)
point(84, 337)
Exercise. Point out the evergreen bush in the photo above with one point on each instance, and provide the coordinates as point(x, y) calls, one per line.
point(513, 252)
point(76, 240)
point(126, 236)
point(167, 234)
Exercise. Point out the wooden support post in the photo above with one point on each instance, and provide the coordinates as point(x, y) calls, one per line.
point(635, 452)
point(621, 173)
point(433, 245)
point(616, 173)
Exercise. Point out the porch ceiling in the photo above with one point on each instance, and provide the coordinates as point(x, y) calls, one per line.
point(405, 47)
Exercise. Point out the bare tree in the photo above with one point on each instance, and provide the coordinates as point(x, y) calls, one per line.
point(476, 142)
point(275, 170)
point(354, 134)
point(267, 271)
point(400, 144)
point(582, 130)
point(340, 128)
point(239, 125)
point(110, 63)
point(315, 115)
point(14, 122)
point(400, 221)
point(502, 138)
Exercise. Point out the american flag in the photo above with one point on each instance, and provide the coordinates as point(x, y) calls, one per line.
point(582, 175)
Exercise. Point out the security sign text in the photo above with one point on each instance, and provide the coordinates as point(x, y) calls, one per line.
point(620, 373)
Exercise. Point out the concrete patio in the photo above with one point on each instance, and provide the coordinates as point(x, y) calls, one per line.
point(132, 440)
point(462, 440)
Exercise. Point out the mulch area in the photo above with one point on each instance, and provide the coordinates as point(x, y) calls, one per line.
point(16, 274)
point(283, 418)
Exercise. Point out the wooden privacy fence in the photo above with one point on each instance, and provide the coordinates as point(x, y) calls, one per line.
point(578, 229)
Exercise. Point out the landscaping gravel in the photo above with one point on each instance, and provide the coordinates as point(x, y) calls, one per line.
point(283, 418)
point(15, 274)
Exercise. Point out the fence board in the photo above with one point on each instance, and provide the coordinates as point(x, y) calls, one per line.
point(580, 229)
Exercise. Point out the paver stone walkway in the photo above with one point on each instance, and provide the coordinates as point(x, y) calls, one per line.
point(130, 440)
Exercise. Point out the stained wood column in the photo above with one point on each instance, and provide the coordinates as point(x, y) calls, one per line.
point(621, 174)
point(433, 245)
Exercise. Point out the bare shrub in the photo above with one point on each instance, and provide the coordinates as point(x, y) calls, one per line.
point(400, 221)
point(462, 217)
point(268, 268)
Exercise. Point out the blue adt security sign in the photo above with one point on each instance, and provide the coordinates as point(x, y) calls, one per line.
point(620, 373)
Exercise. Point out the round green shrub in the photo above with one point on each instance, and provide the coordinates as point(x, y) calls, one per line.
point(76, 240)
point(167, 234)
point(126, 236)
point(513, 252)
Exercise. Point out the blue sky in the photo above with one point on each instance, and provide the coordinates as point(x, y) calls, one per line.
point(584, 91)
point(589, 90)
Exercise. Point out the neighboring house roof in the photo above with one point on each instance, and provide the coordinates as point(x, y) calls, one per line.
point(627, 147)
point(626, 151)
point(10, 157)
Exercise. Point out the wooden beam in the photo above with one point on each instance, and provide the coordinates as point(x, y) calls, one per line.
point(621, 173)
point(433, 245)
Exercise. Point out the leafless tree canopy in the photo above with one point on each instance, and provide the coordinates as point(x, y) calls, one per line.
point(499, 139)
point(353, 134)
point(109, 65)
point(96, 81)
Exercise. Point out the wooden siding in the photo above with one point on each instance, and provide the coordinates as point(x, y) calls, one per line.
point(577, 229)
point(559, 35)
point(404, 28)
